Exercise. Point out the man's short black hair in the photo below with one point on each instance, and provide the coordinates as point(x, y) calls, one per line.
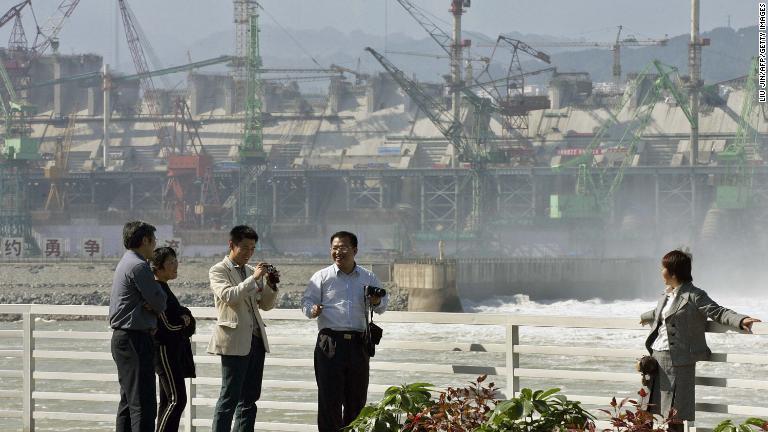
point(240, 232)
point(160, 256)
point(347, 235)
point(134, 233)
point(678, 264)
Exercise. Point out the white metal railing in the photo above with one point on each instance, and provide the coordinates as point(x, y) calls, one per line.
point(507, 368)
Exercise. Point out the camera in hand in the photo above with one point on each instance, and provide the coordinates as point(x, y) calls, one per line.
point(372, 291)
point(273, 276)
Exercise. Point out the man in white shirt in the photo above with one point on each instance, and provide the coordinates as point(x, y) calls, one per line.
point(336, 296)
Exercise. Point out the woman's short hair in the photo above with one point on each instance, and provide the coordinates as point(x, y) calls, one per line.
point(678, 264)
point(160, 256)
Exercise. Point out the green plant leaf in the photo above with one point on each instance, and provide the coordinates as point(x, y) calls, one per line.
point(541, 406)
point(527, 408)
point(560, 397)
point(754, 421)
point(550, 392)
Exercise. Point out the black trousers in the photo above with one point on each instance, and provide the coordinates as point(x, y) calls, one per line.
point(133, 353)
point(173, 392)
point(341, 371)
point(240, 389)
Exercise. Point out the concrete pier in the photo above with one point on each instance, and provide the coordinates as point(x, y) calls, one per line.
point(431, 284)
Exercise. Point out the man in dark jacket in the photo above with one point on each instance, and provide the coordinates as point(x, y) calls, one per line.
point(134, 304)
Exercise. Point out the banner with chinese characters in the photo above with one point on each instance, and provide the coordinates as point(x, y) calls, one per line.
point(12, 248)
point(54, 248)
point(174, 243)
point(92, 247)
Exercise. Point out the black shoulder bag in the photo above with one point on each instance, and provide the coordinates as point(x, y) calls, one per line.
point(373, 333)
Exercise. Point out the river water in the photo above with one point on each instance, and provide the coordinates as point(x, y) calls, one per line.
point(305, 331)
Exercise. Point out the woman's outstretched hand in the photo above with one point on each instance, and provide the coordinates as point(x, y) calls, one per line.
point(746, 323)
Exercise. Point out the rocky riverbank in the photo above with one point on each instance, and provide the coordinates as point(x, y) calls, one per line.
point(90, 284)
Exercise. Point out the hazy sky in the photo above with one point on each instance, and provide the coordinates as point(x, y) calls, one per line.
point(190, 20)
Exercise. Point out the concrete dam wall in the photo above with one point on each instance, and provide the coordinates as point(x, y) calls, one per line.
point(559, 278)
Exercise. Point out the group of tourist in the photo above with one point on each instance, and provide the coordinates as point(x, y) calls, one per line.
point(152, 331)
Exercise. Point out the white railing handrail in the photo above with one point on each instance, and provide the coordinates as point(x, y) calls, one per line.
point(584, 322)
point(511, 370)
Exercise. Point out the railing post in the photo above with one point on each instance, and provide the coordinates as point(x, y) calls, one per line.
point(513, 360)
point(28, 370)
point(190, 413)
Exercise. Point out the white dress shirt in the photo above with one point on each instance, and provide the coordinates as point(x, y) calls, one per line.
point(662, 340)
point(342, 297)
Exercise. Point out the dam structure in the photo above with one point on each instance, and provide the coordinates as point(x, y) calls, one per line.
point(570, 168)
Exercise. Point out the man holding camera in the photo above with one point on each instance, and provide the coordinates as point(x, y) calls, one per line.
point(239, 336)
point(340, 296)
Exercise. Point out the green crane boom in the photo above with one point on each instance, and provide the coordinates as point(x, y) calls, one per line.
point(450, 127)
point(90, 79)
point(734, 189)
point(595, 189)
point(252, 148)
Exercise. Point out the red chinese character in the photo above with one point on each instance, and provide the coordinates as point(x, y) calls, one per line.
point(52, 248)
point(91, 247)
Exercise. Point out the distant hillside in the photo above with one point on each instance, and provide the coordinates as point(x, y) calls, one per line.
point(727, 57)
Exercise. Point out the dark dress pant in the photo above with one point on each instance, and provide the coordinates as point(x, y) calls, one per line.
point(240, 389)
point(341, 371)
point(133, 353)
point(173, 391)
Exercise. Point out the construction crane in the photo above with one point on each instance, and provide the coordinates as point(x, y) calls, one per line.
point(17, 152)
point(734, 189)
point(47, 34)
point(472, 150)
point(92, 79)
point(359, 76)
point(596, 187)
point(615, 47)
point(18, 38)
point(191, 192)
point(251, 204)
point(57, 170)
point(149, 91)
point(18, 143)
point(453, 45)
point(510, 95)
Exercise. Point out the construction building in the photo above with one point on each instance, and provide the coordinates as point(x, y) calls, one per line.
point(368, 157)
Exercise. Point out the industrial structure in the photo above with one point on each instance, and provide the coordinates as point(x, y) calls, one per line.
point(475, 161)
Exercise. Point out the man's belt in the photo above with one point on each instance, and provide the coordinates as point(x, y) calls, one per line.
point(349, 335)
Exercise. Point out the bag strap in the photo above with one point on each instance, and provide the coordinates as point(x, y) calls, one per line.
point(367, 330)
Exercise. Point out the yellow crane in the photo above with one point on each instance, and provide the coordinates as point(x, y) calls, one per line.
point(57, 170)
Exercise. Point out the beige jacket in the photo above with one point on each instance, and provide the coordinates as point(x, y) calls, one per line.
point(237, 303)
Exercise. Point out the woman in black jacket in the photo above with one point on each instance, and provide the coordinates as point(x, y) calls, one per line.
point(173, 350)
